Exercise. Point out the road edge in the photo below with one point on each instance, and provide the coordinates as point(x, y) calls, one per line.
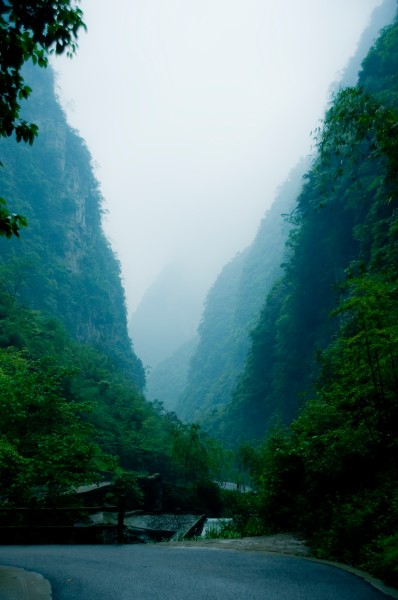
point(373, 581)
point(18, 583)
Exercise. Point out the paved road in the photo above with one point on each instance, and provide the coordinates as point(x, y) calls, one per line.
point(138, 572)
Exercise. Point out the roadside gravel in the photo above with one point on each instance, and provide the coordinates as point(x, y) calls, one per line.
point(282, 543)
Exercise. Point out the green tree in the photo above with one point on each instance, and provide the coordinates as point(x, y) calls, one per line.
point(46, 443)
point(358, 128)
point(30, 30)
point(189, 450)
point(337, 470)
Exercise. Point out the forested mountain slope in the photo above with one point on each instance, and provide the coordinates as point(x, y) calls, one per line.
point(332, 473)
point(343, 213)
point(62, 264)
point(71, 402)
point(381, 16)
point(232, 308)
point(234, 304)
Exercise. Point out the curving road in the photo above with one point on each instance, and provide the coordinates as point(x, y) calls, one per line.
point(149, 572)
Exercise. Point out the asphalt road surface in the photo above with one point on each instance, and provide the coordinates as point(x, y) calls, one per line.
point(150, 572)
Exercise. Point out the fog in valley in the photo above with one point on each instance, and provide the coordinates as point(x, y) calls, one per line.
point(194, 113)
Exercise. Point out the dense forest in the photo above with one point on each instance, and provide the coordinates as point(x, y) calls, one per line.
point(341, 236)
point(321, 375)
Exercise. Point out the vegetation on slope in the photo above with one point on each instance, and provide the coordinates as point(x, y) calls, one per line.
point(62, 263)
point(332, 474)
point(232, 309)
point(71, 401)
point(71, 397)
point(70, 416)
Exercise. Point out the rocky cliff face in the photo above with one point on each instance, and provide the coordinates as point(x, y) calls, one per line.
point(62, 264)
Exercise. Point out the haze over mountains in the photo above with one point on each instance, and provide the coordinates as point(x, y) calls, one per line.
point(168, 314)
point(223, 337)
point(201, 111)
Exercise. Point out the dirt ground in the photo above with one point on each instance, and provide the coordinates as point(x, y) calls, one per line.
point(282, 543)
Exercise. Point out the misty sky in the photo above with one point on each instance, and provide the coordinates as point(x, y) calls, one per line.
point(194, 112)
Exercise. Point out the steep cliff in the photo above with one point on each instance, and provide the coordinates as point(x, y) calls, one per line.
point(329, 467)
point(280, 316)
point(344, 222)
point(167, 315)
point(62, 264)
point(232, 309)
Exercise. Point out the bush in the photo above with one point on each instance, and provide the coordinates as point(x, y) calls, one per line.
point(383, 559)
point(224, 529)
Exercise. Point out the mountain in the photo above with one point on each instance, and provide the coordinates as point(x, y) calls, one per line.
point(167, 381)
point(333, 221)
point(70, 383)
point(167, 316)
point(321, 378)
point(62, 264)
point(257, 372)
point(382, 15)
point(232, 308)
